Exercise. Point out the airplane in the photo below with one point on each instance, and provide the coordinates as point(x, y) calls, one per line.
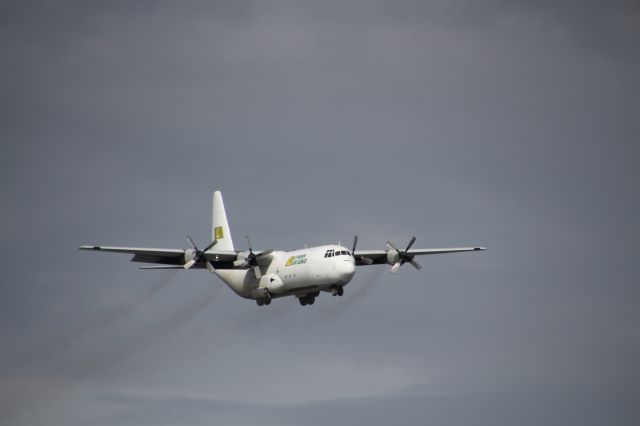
point(270, 274)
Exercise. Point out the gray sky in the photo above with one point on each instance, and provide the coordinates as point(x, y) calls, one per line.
point(507, 124)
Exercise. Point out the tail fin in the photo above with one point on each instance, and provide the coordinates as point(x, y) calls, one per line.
point(221, 231)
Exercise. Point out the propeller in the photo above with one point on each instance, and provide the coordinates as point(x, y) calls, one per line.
point(252, 258)
point(399, 257)
point(359, 260)
point(198, 255)
point(364, 260)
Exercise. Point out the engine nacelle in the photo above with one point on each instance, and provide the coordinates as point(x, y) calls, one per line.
point(392, 256)
point(189, 255)
point(242, 259)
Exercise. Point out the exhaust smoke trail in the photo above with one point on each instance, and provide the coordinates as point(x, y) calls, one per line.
point(91, 326)
point(22, 393)
point(121, 350)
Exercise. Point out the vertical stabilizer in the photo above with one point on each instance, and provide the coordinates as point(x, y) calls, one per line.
point(221, 231)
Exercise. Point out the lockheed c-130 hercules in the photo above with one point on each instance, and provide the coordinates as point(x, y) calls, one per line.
point(265, 275)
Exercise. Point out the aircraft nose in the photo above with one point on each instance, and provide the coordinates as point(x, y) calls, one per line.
point(346, 271)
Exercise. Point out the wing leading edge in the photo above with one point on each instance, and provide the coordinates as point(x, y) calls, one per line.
point(376, 257)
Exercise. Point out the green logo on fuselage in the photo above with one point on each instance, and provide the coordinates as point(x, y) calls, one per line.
point(296, 260)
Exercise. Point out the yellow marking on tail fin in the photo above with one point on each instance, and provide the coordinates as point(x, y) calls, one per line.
point(219, 233)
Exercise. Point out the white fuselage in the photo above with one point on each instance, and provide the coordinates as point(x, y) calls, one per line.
point(298, 272)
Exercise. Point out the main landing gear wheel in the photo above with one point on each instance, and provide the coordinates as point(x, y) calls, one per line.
point(307, 300)
point(266, 300)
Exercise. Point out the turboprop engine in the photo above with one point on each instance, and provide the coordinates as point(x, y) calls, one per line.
point(252, 260)
point(194, 255)
point(397, 257)
point(393, 256)
point(190, 255)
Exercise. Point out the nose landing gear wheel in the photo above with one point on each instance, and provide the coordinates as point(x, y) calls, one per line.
point(337, 290)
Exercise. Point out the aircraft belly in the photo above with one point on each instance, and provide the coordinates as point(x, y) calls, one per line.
point(241, 281)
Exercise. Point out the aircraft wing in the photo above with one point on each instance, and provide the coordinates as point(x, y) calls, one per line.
point(375, 257)
point(165, 256)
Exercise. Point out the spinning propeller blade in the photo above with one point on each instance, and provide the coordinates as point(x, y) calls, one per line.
point(199, 255)
point(252, 260)
point(401, 256)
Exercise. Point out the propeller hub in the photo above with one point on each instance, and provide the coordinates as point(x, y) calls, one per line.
point(195, 255)
point(190, 254)
point(397, 257)
point(392, 256)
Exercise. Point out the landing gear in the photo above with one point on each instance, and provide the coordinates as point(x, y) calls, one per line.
point(309, 299)
point(263, 301)
point(266, 300)
point(337, 290)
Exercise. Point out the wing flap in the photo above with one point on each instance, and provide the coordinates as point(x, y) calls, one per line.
point(162, 255)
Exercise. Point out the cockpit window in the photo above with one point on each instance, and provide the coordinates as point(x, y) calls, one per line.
point(334, 252)
point(330, 253)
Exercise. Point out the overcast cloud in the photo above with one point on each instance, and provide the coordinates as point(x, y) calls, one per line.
point(512, 125)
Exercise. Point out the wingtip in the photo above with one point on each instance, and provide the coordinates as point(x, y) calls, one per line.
point(480, 248)
point(89, 248)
